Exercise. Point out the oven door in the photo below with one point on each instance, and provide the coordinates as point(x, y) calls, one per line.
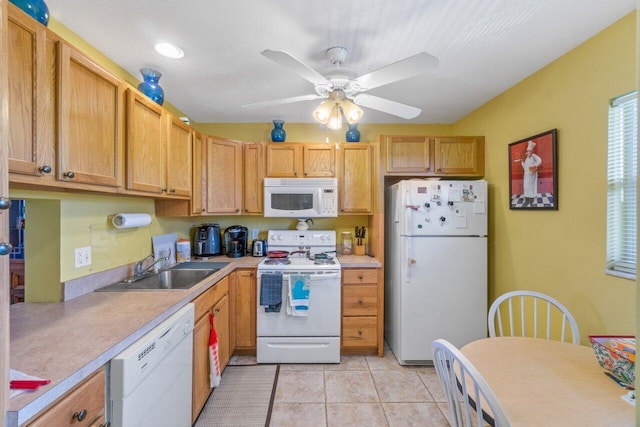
point(323, 317)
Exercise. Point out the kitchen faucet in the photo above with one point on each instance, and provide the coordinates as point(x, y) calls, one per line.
point(139, 271)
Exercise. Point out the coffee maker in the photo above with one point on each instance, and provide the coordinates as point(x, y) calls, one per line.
point(235, 241)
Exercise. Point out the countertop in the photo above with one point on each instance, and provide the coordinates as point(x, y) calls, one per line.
point(65, 342)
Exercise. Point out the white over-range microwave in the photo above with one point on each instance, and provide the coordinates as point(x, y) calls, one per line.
point(300, 197)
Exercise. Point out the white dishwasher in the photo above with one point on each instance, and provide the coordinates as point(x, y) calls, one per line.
point(150, 382)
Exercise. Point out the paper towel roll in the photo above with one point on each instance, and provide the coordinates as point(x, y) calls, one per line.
point(130, 220)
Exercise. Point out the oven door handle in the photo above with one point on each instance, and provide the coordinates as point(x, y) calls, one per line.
point(313, 277)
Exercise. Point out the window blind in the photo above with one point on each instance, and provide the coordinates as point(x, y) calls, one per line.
point(622, 171)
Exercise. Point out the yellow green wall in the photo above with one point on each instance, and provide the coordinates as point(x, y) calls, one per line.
point(562, 253)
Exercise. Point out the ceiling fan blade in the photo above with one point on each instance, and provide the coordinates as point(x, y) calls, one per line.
point(262, 104)
point(294, 64)
point(403, 69)
point(387, 106)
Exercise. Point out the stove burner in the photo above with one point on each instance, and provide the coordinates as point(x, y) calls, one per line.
point(277, 261)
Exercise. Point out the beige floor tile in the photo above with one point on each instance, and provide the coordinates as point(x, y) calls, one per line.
point(301, 367)
point(430, 379)
point(400, 386)
point(300, 387)
point(350, 387)
point(387, 362)
point(298, 415)
point(349, 363)
point(414, 414)
point(355, 414)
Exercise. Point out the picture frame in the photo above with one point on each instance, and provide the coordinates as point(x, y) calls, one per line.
point(533, 178)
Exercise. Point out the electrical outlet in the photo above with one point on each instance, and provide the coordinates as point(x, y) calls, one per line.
point(255, 233)
point(82, 256)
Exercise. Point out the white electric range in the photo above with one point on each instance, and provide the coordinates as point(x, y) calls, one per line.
point(310, 335)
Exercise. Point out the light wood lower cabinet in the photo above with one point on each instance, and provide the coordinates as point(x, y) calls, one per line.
point(361, 311)
point(213, 301)
point(245, 311)
point(83, 406)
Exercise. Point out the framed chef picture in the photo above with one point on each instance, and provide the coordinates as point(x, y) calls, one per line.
point(533, 172)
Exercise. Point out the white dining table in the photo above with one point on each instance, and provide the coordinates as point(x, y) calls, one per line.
point(541, 382)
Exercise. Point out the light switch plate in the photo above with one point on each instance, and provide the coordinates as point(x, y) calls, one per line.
point(255, 234)
point(82, 257)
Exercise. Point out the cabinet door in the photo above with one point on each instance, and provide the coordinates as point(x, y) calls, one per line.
point(319, 160)
point(200, 386)
point(407, 154)
point(284, 161)
point(356, 179)
point(245, 309)
point(221, 321)
point(145, 144)
point(253, 158)
point(224, 168)
point(197, 183)
point(178, 158)
point(460, 156)
point(31, 94)
point(90, 132)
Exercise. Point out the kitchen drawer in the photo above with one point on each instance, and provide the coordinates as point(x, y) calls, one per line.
point(359, 331)
point(360, 300)
point(210, 297)
point(367, 275)
point(87, 401)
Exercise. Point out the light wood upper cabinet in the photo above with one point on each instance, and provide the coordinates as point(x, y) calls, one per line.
point(90, 119)
point(455, 156)
point(145, 144)
point(223, 176)
point(297, 160)
point(407, 154)
point(252, 186)
point(355, 182)
point(463, 156)
point(178, 158)
point(31, 95)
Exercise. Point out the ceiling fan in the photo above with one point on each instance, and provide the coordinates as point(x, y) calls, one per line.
point(343, 88)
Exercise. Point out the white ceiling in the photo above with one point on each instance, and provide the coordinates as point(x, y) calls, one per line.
point(483, 46)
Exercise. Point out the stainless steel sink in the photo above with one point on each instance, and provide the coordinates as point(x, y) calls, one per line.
point(162, 281)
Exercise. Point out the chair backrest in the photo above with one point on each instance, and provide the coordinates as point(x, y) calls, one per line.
point(471, 400)
point(531, 314)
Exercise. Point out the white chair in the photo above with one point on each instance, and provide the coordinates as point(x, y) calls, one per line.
point(526, 309)
point(471, 400)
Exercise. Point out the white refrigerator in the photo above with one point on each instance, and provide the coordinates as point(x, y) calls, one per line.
point(435, 266)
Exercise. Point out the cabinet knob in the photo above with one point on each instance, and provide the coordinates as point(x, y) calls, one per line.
point(360, 332)
point(107, 424)
point(360, 301)
point(173, 190)
point(69, 174)
point(5, 248)
point(439, 170)
point(5, 203)
point(427, 168)
point(164, 190)
point(237, 210)
point(305, 174)
point(80, 416)
point(295, 174)
point(45, 169)
point(360, 276)
point(217, 310)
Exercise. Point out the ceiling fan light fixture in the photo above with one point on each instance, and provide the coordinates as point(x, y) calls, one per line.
point(352, 112)
point(322, 113)
point(335, 119)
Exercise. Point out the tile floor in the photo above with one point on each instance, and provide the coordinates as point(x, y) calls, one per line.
point(360, 391)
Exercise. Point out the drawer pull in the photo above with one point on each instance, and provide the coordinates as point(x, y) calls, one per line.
point(360, 332)
point(360, 276)
point(80, 416)
point(360, 301)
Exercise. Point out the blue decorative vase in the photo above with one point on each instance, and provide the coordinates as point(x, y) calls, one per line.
point(150, 87)
point(277, 133)
point(36, 8)
point(353, 134)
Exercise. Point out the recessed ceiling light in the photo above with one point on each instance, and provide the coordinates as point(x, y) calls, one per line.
point(169, 50)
